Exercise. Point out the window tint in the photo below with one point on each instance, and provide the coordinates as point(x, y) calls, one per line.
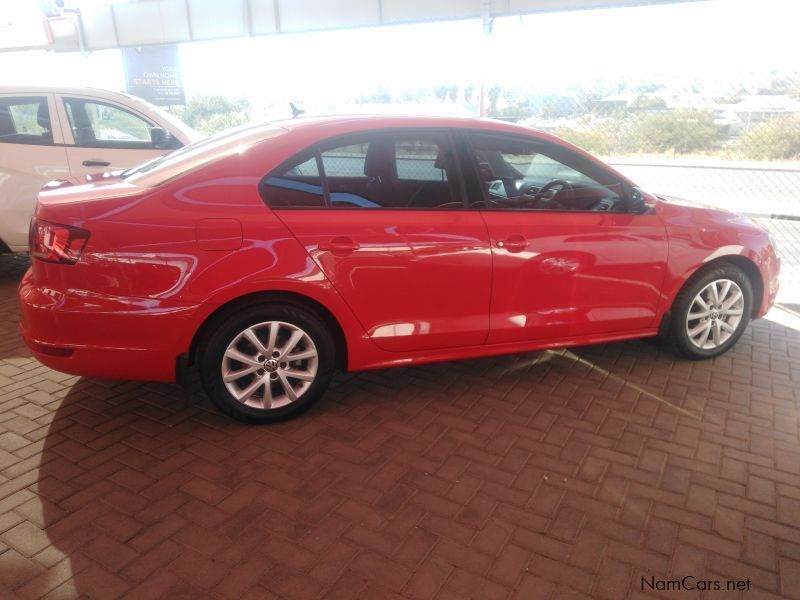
point(539, 175)
point(25, 120)
point(297, 186)
point(101, 125)
point(391, 170)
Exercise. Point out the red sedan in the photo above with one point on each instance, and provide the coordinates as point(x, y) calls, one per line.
point(272, 255)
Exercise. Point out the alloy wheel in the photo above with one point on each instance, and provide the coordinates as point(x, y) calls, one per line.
point(269, 365)
point(715, 314)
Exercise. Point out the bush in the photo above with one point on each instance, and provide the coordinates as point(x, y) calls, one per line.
point(212, 114)
point(679, 132)
point(776, 139)
point(598, 140)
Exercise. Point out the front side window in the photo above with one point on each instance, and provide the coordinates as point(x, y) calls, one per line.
point(395, 170)
point(25, 120)
point(518, 173)
point(102, 125)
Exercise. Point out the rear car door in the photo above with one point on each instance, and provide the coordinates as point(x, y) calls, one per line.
point(384, 217)
point(102, 136)
point(31, 154)
point(569, 258)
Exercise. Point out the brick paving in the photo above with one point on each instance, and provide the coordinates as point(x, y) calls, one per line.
point(545, 475)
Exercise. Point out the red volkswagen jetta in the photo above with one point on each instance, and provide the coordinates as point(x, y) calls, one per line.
point(271, 255)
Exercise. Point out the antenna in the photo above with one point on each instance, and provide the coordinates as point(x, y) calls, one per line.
point(296, 112)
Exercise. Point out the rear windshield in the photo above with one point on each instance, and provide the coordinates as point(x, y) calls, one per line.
point(164, 168)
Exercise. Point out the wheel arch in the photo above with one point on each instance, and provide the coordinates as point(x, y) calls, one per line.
point(293, 298)
point(747, 266)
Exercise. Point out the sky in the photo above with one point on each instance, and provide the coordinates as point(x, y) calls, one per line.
point(714, 41)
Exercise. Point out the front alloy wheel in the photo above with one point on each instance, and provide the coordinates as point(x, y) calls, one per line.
point(715, 314)
point(711, 312)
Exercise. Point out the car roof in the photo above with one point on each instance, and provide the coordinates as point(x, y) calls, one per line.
point(360, 122)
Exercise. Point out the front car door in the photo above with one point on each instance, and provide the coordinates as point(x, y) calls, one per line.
point(103, 136)
point(31, 154)
point(383, 215)
point(570, 259)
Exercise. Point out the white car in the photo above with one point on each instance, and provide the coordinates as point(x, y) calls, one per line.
point(55, 133)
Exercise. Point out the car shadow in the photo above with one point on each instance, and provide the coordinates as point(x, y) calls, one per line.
point(145, 487)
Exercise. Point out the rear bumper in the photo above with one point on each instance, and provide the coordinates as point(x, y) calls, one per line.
point(102, 336)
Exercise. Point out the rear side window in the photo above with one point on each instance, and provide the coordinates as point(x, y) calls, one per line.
point(25, 120)
point(296, 186)
point(395, 170)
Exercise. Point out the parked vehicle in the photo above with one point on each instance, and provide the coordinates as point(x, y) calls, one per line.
point(53, 133)
point(272, 255)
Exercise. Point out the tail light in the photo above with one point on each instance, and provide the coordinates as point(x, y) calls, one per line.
point(56, 243)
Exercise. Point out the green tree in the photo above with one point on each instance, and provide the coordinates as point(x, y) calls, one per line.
point(644, 102)
point(468, 93)
point(597, 140)
point(452, 93)
point(776, 139)
point(212, 114)
point(494, 96)
point(381, 95)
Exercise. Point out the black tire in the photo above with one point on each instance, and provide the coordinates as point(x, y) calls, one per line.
point(215, 345)
point(677, 335)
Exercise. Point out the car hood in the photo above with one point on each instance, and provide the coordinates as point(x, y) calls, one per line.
point(680, 212)
point(675, 201)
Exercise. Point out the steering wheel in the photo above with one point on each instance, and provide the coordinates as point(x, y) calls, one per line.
point(545, 197)
point(548, 189)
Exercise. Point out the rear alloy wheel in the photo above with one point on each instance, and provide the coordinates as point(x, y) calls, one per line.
point(267, 364)
point(711, 312)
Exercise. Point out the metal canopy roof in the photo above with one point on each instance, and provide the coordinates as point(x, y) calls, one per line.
point(147, 22)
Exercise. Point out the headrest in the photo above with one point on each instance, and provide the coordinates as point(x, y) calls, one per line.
point(380, 160)
point(6, 122)
point(43, 116)
point(444, 160)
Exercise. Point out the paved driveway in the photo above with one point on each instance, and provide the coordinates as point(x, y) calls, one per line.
point(544, 475)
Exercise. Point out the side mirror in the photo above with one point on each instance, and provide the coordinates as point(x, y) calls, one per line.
point(159, 137)
point(636, 203)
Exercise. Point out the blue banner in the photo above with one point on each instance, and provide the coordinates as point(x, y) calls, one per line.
point(154, 74)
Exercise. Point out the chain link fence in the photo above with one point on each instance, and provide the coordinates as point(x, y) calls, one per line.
point(738, 149)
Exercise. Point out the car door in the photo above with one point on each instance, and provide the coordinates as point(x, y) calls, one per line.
point(31, 154)
point(569, 258)
point(384, 217)
point(102, 135)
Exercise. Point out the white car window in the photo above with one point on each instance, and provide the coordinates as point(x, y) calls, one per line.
point(25, 120)
point(99, 124)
